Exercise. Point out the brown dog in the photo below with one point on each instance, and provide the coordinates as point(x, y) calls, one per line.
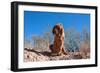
point(58, 46)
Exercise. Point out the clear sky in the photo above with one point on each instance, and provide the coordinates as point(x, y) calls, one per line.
point(35, 23)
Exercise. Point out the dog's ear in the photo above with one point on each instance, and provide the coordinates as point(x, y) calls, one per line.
point(62, 30)
point(54, 31)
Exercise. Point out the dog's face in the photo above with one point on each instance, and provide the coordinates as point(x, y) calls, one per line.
point(58, 30)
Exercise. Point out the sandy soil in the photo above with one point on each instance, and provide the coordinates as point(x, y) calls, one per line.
point(31, 55)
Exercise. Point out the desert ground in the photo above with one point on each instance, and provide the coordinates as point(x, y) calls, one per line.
point(31, 55)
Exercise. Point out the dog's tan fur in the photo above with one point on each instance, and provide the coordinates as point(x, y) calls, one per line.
point(58, 45)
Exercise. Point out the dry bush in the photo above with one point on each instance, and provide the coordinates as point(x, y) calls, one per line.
point(85, 50)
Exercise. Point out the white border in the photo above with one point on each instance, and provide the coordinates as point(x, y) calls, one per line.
point(22, 64)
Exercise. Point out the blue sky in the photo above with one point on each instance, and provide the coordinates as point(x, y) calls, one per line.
point(35, 23)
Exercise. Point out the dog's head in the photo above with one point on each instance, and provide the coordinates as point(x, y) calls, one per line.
point(58, 30)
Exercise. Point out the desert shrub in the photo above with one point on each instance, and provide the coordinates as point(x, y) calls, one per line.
point(28, 44)
point(72, 40)
point(85, 44)
point(84, 49)
point(86, 36)
point(40, 43)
